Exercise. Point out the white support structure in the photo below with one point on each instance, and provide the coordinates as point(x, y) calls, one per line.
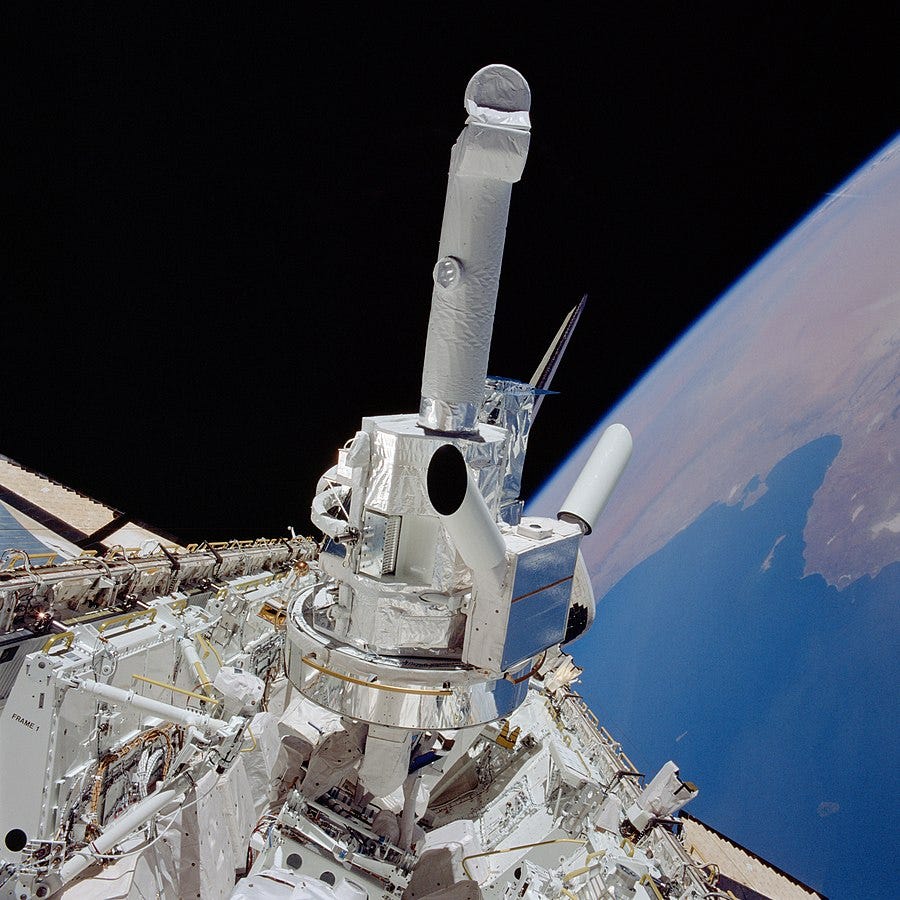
point(168, 711)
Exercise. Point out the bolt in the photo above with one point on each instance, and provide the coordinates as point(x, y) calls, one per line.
point(447, 272)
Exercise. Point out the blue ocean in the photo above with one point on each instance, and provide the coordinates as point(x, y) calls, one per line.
point(774, 692)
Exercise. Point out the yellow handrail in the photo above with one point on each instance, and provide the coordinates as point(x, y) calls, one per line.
point(252, 738)
point(207, 643)
point(598, 854)
point(67, 636)
point(465, 859)
point(126, 619)
point(646, 879)
point(430, 692)
point(178, 690)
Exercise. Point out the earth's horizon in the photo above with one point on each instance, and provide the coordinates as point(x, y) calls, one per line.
point(748, 566)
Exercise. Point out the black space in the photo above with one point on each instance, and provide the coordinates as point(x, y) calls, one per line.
point(220, 230)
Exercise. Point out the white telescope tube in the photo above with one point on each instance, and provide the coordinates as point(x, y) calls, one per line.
point(463, 512)
point(598, 478)
point(486, 160)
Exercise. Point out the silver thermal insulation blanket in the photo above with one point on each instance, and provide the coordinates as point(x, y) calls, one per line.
point(398, 621)
point(510, 405)
point(400, 454)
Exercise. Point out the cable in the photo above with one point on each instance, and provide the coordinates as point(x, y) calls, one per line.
point(149, 844)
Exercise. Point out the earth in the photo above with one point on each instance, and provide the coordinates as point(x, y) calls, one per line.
point(747, 569)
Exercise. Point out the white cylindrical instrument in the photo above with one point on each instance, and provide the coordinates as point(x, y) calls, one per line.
point(598, 478)
point(463, 512)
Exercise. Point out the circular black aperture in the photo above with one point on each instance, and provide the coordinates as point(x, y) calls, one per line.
point(328, 878)
point(294, 860)
point(16, 839)
point(447, 480)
